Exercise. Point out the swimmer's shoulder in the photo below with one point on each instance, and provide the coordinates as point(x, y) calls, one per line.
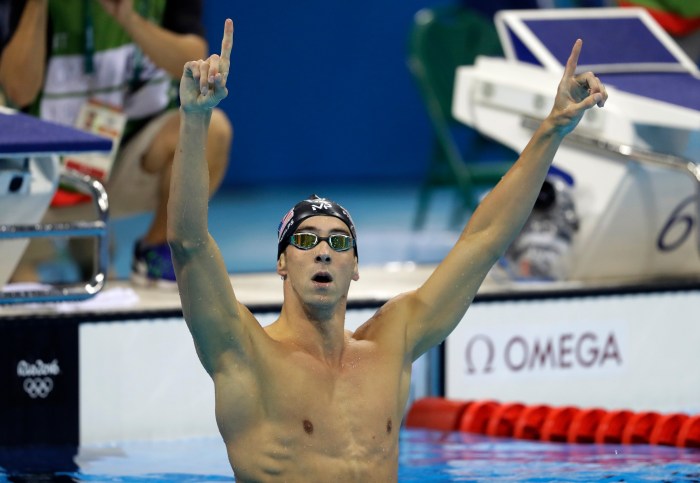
point(389, 319)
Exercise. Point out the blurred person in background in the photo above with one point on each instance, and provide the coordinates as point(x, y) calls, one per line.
point(116, 58)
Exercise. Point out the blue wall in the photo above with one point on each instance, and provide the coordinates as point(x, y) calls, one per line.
point(320, 91)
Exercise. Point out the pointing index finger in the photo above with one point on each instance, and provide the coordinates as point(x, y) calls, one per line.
point(227, 41)
point(572, 63)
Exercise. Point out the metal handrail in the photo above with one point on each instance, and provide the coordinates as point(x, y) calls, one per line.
point(97, 229)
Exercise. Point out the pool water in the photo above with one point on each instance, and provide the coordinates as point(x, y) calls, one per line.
point(436, 456)
point(426, 456)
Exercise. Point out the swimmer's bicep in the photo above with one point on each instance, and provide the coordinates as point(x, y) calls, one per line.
point(222, 344)
point(396, 327)
point(223, 341)
point(441, 302)
point(202, 277)
point(219, 323)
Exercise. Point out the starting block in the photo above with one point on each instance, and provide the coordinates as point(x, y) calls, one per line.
point(29, 176)
point(634, 162)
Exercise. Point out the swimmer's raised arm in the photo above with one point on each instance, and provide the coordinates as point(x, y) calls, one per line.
point(435, 309)
point(217, 321)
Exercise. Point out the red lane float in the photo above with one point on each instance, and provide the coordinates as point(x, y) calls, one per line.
point(529, 424)
point(504, 419)
point(611, 427)
point(667, 429)
point(557, 424)
point(584, 425)
point(436, 413)
point(689, 434)
point(639, 427)
point(477, 416)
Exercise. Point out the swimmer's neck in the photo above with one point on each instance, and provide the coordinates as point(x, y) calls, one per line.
point(323, 337)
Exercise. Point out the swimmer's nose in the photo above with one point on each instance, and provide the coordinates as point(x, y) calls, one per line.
point(323, 252)
point(323, 258)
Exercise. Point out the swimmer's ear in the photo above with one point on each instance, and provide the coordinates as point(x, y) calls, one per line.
point(282, 266)
point(356, 271)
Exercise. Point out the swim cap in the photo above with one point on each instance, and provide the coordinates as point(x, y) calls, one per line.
point(314, 206)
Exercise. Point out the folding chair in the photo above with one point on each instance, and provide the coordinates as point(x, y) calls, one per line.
point(442, 39)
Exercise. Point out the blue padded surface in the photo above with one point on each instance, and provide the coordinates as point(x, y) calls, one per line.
point(615, 41)
point(522, 53)
point(605, 40)
point(674, 88)
point(21, 133)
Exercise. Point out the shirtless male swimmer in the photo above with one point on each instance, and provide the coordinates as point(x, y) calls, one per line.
point(303, 399)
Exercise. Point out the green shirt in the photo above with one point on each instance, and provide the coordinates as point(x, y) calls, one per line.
point(91, 56)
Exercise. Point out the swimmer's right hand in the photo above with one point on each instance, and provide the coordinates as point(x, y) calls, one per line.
point(203, 83)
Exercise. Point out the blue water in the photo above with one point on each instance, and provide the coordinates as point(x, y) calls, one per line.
point(435, 456)
point(426, 456)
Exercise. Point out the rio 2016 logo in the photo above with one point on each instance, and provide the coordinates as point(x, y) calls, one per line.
point(38, 387)
point(38, 377)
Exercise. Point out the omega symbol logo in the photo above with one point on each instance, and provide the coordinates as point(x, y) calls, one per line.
point(486, 363)
point(529, 353)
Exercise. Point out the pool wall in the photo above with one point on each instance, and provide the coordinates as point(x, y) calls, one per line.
point(98, 378)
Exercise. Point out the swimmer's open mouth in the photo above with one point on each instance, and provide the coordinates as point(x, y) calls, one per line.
point(322, 277)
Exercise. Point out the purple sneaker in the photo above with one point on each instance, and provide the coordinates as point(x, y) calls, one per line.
point(152, 266)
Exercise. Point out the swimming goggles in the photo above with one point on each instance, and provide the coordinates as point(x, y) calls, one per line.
point(306, 241)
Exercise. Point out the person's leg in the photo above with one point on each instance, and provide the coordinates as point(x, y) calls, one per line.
point(159, 156)
point(151, 264)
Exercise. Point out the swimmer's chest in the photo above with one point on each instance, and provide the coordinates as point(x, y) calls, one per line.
point(363, 394)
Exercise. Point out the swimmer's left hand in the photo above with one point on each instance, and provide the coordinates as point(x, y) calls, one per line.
point(576, 93)
point(203, 83)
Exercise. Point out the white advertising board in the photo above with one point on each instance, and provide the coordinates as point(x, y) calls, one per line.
point(638, 352)
point(141, 380)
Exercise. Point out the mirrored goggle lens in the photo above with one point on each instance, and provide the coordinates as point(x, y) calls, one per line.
point(340, 243)
point(307, 241)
